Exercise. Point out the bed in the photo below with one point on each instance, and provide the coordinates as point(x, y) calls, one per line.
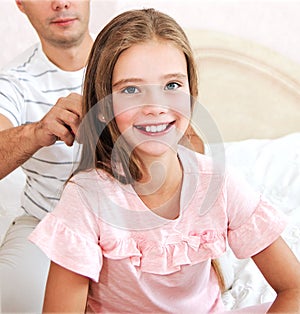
point(248, 109)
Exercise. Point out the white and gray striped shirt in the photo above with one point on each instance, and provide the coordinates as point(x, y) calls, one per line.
point(29, 87)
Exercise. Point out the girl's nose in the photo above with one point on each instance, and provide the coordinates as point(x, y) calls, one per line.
point(154, 109)
point(155, 102)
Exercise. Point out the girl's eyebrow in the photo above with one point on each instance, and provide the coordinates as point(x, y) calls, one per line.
point(135, 80)
point(127, 80)
point(178, 75)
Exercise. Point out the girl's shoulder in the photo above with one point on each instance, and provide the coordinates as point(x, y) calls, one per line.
point(199, 163)
point(90, 174)
point(90, 178)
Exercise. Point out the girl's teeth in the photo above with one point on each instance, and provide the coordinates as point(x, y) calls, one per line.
point(156, 128)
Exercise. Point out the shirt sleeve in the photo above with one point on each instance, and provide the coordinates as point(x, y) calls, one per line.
point(253, 222)
point(11, 99)
point(69, 235)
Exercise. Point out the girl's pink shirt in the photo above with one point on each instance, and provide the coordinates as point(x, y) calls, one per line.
point(142, 263)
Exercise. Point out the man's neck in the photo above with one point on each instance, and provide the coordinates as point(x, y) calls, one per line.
point(69, 58)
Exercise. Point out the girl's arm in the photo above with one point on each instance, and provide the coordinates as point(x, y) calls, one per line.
point(66, 291)
point(281, 269)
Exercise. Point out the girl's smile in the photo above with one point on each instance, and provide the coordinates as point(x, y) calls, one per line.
point(154, 129)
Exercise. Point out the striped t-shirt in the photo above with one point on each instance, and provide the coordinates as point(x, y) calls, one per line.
point(29, 87)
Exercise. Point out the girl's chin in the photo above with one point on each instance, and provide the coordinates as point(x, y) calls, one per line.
point(154, 145)
point(155, 148)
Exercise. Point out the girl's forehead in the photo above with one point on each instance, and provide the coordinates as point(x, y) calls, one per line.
point(150, 55)
point(154, 43)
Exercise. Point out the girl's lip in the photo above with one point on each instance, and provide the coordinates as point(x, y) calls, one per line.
point(154, 128)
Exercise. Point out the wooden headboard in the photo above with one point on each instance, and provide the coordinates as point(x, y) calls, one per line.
point(248, 90)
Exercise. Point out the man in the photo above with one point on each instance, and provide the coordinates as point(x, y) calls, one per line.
point(39, 115)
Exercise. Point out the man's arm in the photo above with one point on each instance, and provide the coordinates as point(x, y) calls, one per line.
point(18, 144)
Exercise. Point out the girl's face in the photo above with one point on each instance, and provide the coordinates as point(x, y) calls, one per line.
point(151, 99)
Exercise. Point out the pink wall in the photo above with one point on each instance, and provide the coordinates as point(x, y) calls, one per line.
point(273, 23)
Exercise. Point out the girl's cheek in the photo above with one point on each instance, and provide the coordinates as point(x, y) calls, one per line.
point(123, 105)
point(123, 118)
point(180, 102)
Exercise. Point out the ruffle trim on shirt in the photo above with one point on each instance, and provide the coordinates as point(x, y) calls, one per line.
point(67, 248)
point(168, 257)
point(261, 229)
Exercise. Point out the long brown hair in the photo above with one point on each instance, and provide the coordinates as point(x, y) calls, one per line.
point(98, 138)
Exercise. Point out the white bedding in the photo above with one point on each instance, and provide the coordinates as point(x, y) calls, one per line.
point(271, 166)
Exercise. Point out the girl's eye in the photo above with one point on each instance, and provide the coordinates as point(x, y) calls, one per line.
point(172, 86)
point(130, 90)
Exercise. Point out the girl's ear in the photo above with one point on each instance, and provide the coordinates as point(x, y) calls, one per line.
point(101, 117)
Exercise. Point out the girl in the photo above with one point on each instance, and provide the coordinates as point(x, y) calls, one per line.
point(134, 231)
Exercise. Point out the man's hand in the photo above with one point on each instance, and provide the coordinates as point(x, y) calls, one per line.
point(61, 122)
point(18, 144)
